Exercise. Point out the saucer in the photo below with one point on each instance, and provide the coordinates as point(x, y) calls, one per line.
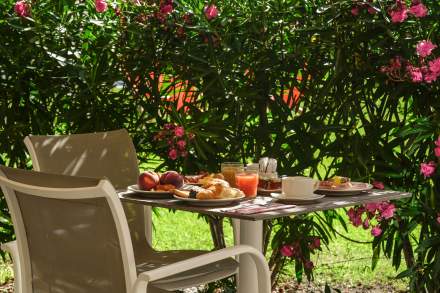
point(300, 199)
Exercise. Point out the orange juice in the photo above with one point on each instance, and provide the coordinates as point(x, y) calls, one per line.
point(229, 170)
point(247, 182)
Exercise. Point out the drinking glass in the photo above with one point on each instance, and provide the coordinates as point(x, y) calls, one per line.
point(247, 182)
point(229, 169)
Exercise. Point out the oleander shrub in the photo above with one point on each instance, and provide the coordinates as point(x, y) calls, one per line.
point(326, 87)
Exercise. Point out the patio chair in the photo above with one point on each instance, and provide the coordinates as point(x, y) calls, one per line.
point(73, 236)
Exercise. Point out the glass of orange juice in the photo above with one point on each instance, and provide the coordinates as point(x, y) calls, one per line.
point(247, 182)
point(229, 169)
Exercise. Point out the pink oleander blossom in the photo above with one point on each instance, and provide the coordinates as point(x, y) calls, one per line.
point(316, 243)
point(355, 216)
point(427, 169)
point(424, 48)
point(179, 131)
point(308, 265)
point(378, 185)
point(22, 9)
point(166, 9)
point(287, 250)
point(387, 210)
point(366, 224)
point(400, 14)
point(437, 151)
point(372, 10)
point(181, 144)
point(437, 142)
point(172, 154)
point(101, 6)
point(418, 10)
point(372, 207)
point(434, 67)
point(355, 11)
point(210, 11)
point(415, 73)
point(376, 231)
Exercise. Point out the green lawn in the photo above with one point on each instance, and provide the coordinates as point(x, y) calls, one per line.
point(345, 262)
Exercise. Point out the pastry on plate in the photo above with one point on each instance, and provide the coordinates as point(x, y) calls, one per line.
point(336, 182)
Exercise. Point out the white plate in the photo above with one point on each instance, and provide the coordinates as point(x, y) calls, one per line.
point(150, 193)
point(357, 187)
point(305, 199)
point(209, 202)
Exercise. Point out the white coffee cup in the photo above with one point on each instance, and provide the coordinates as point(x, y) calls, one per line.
point(298, 186)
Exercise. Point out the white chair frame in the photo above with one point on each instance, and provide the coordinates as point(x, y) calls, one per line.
point(134, 283)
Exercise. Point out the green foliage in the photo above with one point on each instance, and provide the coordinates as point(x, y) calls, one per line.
point(293, 79)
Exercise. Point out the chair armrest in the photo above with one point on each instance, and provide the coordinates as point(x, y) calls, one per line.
point(262, 267)
point(12, 249)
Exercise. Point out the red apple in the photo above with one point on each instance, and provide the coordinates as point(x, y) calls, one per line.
point(172, 177)
point(148, 180)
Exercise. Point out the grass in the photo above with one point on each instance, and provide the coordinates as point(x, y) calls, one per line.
point(344, 262)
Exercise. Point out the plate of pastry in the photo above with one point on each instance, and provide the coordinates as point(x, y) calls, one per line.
point(217, 194)
point(342, 186)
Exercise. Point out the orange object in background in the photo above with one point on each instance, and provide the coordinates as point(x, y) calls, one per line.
point(247, 182)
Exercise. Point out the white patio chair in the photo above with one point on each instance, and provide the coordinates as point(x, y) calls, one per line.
point(72, 236)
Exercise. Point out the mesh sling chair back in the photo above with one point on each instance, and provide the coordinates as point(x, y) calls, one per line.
point(108, 154)
point(72, 236)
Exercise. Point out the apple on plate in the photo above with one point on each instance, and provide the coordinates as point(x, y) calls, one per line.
point(148, 180)
point(172, 177)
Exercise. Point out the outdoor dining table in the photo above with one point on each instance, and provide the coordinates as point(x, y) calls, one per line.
point(251, 225)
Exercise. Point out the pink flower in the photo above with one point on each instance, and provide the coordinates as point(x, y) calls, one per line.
point(181, 144)
point(22, 9)
point(378, 185)
point(430, 77)
point(372, 207)
point(387, 210)
point(308, 265)
point(415, 73)
point(210, 11)
point(424, 48)
point(172, 154)
point(169, 126)
point(427, 169)
point(316, 243)
point(355, 216)
point(166, 9)
point(437, 142)
point(437, 151)
point(355, 11)
point(438, 218)
point(287, 250)
point(100, 6)
point(372, 10)
point(399, 15)
point(366, 224)
point(418, 10)
point(376, 231)
point(434, 67)
point(179, 131)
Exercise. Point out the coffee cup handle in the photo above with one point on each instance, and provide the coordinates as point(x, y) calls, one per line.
point(316, 185)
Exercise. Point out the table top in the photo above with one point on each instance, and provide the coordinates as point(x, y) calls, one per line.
point(326, 203)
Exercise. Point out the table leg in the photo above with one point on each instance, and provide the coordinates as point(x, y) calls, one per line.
point(251, 233)
point(148, 214)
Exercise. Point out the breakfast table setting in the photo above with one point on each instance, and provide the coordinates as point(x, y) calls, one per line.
point(248, 195)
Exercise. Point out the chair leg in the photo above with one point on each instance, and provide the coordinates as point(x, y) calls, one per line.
point(12, 249)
